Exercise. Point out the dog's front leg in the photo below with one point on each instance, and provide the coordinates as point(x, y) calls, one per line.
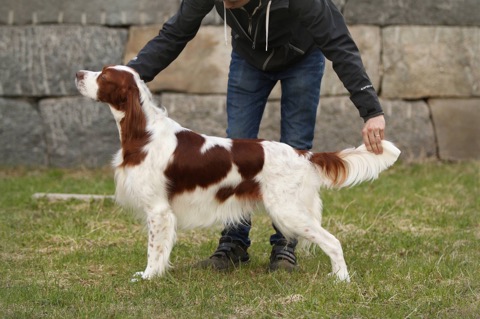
point(161, 224)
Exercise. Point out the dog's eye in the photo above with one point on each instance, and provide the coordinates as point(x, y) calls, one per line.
point(103, 76)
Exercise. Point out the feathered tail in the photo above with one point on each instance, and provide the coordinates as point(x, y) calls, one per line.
point(353, 166)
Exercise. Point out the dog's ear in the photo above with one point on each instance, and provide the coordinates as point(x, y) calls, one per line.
point(134, 120)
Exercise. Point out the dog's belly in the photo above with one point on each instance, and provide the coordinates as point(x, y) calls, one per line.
point(200, 208)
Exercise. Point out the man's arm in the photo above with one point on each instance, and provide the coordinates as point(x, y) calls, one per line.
point(163, 49)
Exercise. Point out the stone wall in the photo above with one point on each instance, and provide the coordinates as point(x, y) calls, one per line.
point(422, 56)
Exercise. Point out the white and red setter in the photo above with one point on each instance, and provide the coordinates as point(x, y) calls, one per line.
point(180, 179)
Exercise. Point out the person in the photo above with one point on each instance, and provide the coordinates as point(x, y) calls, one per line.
point(272, 40)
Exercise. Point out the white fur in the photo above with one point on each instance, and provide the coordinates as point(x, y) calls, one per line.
point(289, 185)
point(364, 165)
point(88, 85)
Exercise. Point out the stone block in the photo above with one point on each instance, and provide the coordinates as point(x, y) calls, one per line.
point(410, 127)
point(457, 128)
point(338, 126)
point(21, 134)
point(99, 12)
point(413, 12)
point(204, 114)
point(368, 40)
point(39, 61)
point(79, 132)
point(202, 67)
point(423, 62)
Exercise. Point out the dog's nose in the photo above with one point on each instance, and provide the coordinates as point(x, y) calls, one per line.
point(80, 75)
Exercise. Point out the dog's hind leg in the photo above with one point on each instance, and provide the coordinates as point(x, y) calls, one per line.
point(331, 246)
point(297, 221)
point(161, 224)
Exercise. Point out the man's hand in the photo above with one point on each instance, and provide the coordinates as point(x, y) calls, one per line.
point(373, 133)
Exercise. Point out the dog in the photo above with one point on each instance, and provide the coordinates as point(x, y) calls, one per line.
point(179, 179)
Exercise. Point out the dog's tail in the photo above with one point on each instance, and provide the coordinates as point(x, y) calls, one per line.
point(353, 166)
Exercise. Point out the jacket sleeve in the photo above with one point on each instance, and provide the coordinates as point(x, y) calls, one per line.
point(329, 31)
point(163, 49)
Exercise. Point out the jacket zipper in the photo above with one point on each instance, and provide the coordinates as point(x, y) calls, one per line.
point(240, 26)
point(250, 17)
point(255, 36)
point(296, 49)
point(250, 23)
point(264, 66)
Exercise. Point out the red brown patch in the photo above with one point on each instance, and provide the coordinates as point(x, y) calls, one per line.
point(247, 189)
point(191, 168)
point(332, 165)
point(249, 157)
point(224, 193)
point(118, 89)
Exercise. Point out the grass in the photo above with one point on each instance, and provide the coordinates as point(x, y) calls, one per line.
point(411, 240)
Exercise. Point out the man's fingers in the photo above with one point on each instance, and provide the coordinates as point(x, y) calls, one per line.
point(373, 142)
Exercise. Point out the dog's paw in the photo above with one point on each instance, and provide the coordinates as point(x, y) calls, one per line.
point(137, 276)
point(140, 275)
point(342, 276)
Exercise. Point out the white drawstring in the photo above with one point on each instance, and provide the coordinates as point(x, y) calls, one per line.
point(267, 22)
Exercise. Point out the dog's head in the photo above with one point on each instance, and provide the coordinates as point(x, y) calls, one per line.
point(115, 85)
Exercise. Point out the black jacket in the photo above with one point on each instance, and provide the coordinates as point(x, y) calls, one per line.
point(295, 27)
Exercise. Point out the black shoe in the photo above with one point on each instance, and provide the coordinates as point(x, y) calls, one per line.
point(229, 254)
point(283, 257)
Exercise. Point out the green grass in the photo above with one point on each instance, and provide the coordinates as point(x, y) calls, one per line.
point(411, 240)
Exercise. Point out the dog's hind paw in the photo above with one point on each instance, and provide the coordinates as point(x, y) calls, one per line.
point(139, 275)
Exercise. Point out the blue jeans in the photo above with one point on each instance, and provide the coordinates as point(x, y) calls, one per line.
point(248, 91)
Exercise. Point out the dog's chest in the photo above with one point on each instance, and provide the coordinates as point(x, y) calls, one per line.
point(139, 186)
